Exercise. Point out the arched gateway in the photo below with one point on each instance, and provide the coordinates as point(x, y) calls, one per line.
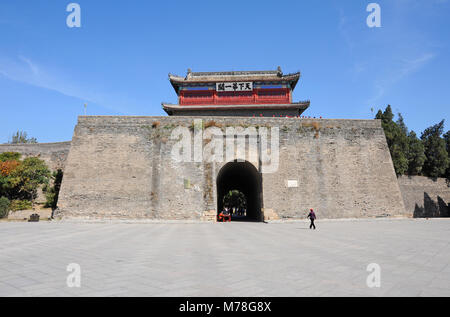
point(244, 177)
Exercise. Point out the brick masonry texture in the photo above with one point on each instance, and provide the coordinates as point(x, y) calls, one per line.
point(425, 197)
point(54, 154)
point(121, 168)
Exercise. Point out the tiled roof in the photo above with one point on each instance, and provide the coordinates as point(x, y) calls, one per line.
point(236, 73)
point(297, 105)
point(271, 75)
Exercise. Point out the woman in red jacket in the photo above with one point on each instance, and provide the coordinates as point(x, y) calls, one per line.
point(312, 217)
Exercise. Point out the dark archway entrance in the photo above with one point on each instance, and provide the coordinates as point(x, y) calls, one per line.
point(245, 178)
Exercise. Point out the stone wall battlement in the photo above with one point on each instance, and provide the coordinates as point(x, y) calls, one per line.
point(54, 154)
point(121, 167)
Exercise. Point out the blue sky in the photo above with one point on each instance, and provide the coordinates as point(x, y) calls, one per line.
point(118, 61)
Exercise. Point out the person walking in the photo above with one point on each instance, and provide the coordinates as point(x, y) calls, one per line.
point(312, 217)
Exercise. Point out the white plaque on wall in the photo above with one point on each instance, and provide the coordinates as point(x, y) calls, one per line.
point(292, 183)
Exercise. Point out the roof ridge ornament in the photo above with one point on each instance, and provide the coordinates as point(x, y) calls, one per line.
point(280, 72)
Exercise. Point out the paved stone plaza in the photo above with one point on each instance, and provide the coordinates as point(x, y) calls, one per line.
point(232, 259)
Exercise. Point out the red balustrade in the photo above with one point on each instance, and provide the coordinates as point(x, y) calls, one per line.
point(257, 96)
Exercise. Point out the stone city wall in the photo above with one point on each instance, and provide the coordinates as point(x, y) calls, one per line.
point(122, 167)
point(425, 197)
point(54, 154)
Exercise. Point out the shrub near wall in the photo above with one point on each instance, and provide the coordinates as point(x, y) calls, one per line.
point(4, 207)
point(20, 180)
point(20, 205)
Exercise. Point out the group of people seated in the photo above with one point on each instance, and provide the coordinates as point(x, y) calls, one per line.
point(227, 212)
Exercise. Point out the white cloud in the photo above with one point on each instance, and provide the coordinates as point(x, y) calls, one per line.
point(24, 70)
point(396, 74)
point(33, 67)
point(411, 66)
point(342, 26)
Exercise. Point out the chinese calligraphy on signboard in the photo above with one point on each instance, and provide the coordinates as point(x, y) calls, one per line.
point(236, 86)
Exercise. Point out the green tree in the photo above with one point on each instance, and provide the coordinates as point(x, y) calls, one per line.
point(8, 160)
point(387, 116)
point(3, 185)
point(52, 192)
point(437, 160)
point(447, 141)
point(396, 138)
point(21, 137)
point(4, 207)
point(416, 154)
point(234, 198)
point(28, 176)
point(447, 146)
point(401, 124)
point(9, 156)
point(379, 115)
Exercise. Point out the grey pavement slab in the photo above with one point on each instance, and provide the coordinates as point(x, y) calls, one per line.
point(231, 259)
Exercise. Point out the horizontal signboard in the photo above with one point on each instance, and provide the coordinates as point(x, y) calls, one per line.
point(234, 86)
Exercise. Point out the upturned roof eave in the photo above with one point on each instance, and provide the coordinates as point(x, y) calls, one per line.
point(298, 105)
point(177, 80)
